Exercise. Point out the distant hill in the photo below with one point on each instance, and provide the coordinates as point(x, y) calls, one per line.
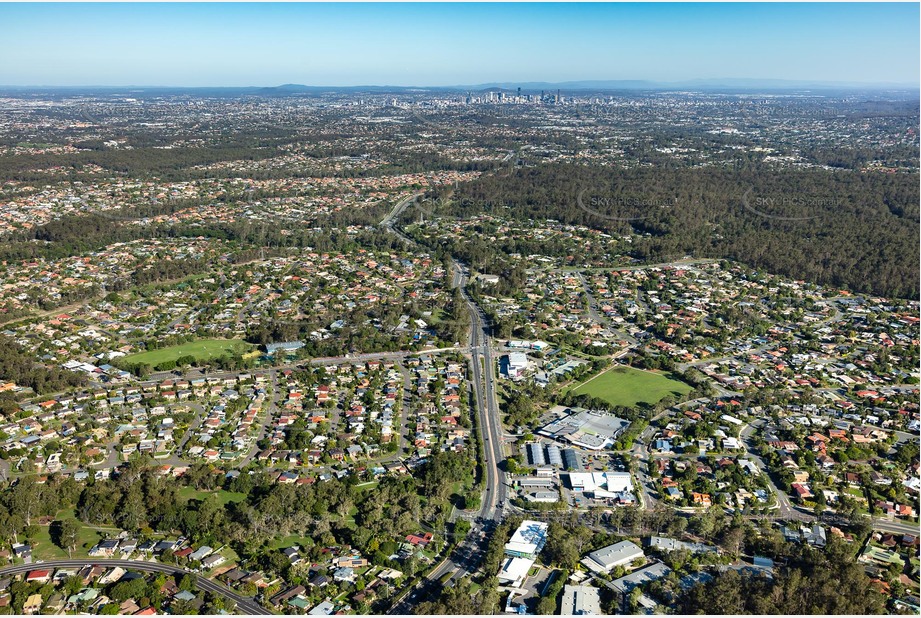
point(598, 86)
point(583, 86)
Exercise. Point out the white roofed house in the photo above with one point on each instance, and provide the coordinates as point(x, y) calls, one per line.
point(201, 553)
point(212, 561)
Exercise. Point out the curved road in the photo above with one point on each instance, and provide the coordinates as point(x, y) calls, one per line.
point(245, 605)
point(390, 219)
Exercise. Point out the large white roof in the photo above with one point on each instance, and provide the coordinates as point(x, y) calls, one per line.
point(617, 554)
point(514, 570)
point(529, 535)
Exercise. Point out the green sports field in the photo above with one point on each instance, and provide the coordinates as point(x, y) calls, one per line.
point(203, 350)
point(625, 386)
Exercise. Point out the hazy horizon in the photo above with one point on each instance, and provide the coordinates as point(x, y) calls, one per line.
point(443, 45)
point(574, 84)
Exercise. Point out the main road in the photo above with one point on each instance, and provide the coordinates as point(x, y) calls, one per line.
point(245, 605)
point(484, 380)
point(468, 555)
point(490, 422)
point(388, 222)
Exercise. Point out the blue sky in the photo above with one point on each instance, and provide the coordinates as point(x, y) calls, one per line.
point(231, 44)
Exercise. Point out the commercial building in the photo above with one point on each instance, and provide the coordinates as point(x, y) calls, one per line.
point(666, 544)
point(514, 571)
point(604, 559)
point(514, 364)
point(534, 482)
point(601, 484)
point(580, 601)
point(543, 496)
point(285, 346)
point(528, 540)
point(643, 576)
point(590, 429)
point(540, 346)
point(520, 551)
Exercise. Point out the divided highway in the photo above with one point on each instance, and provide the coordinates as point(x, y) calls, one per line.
point(390, 219)
point(468, 556)
point(489, 418)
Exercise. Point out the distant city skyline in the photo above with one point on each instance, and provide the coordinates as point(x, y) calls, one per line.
point(243, 44)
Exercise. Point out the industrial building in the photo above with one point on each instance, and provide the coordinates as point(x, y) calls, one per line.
point(571, 460)
point(554, 457)
point(536, 454)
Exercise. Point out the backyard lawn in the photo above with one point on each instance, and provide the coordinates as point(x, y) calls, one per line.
point(625, 386)
point(291, 541)
point(44, 549)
